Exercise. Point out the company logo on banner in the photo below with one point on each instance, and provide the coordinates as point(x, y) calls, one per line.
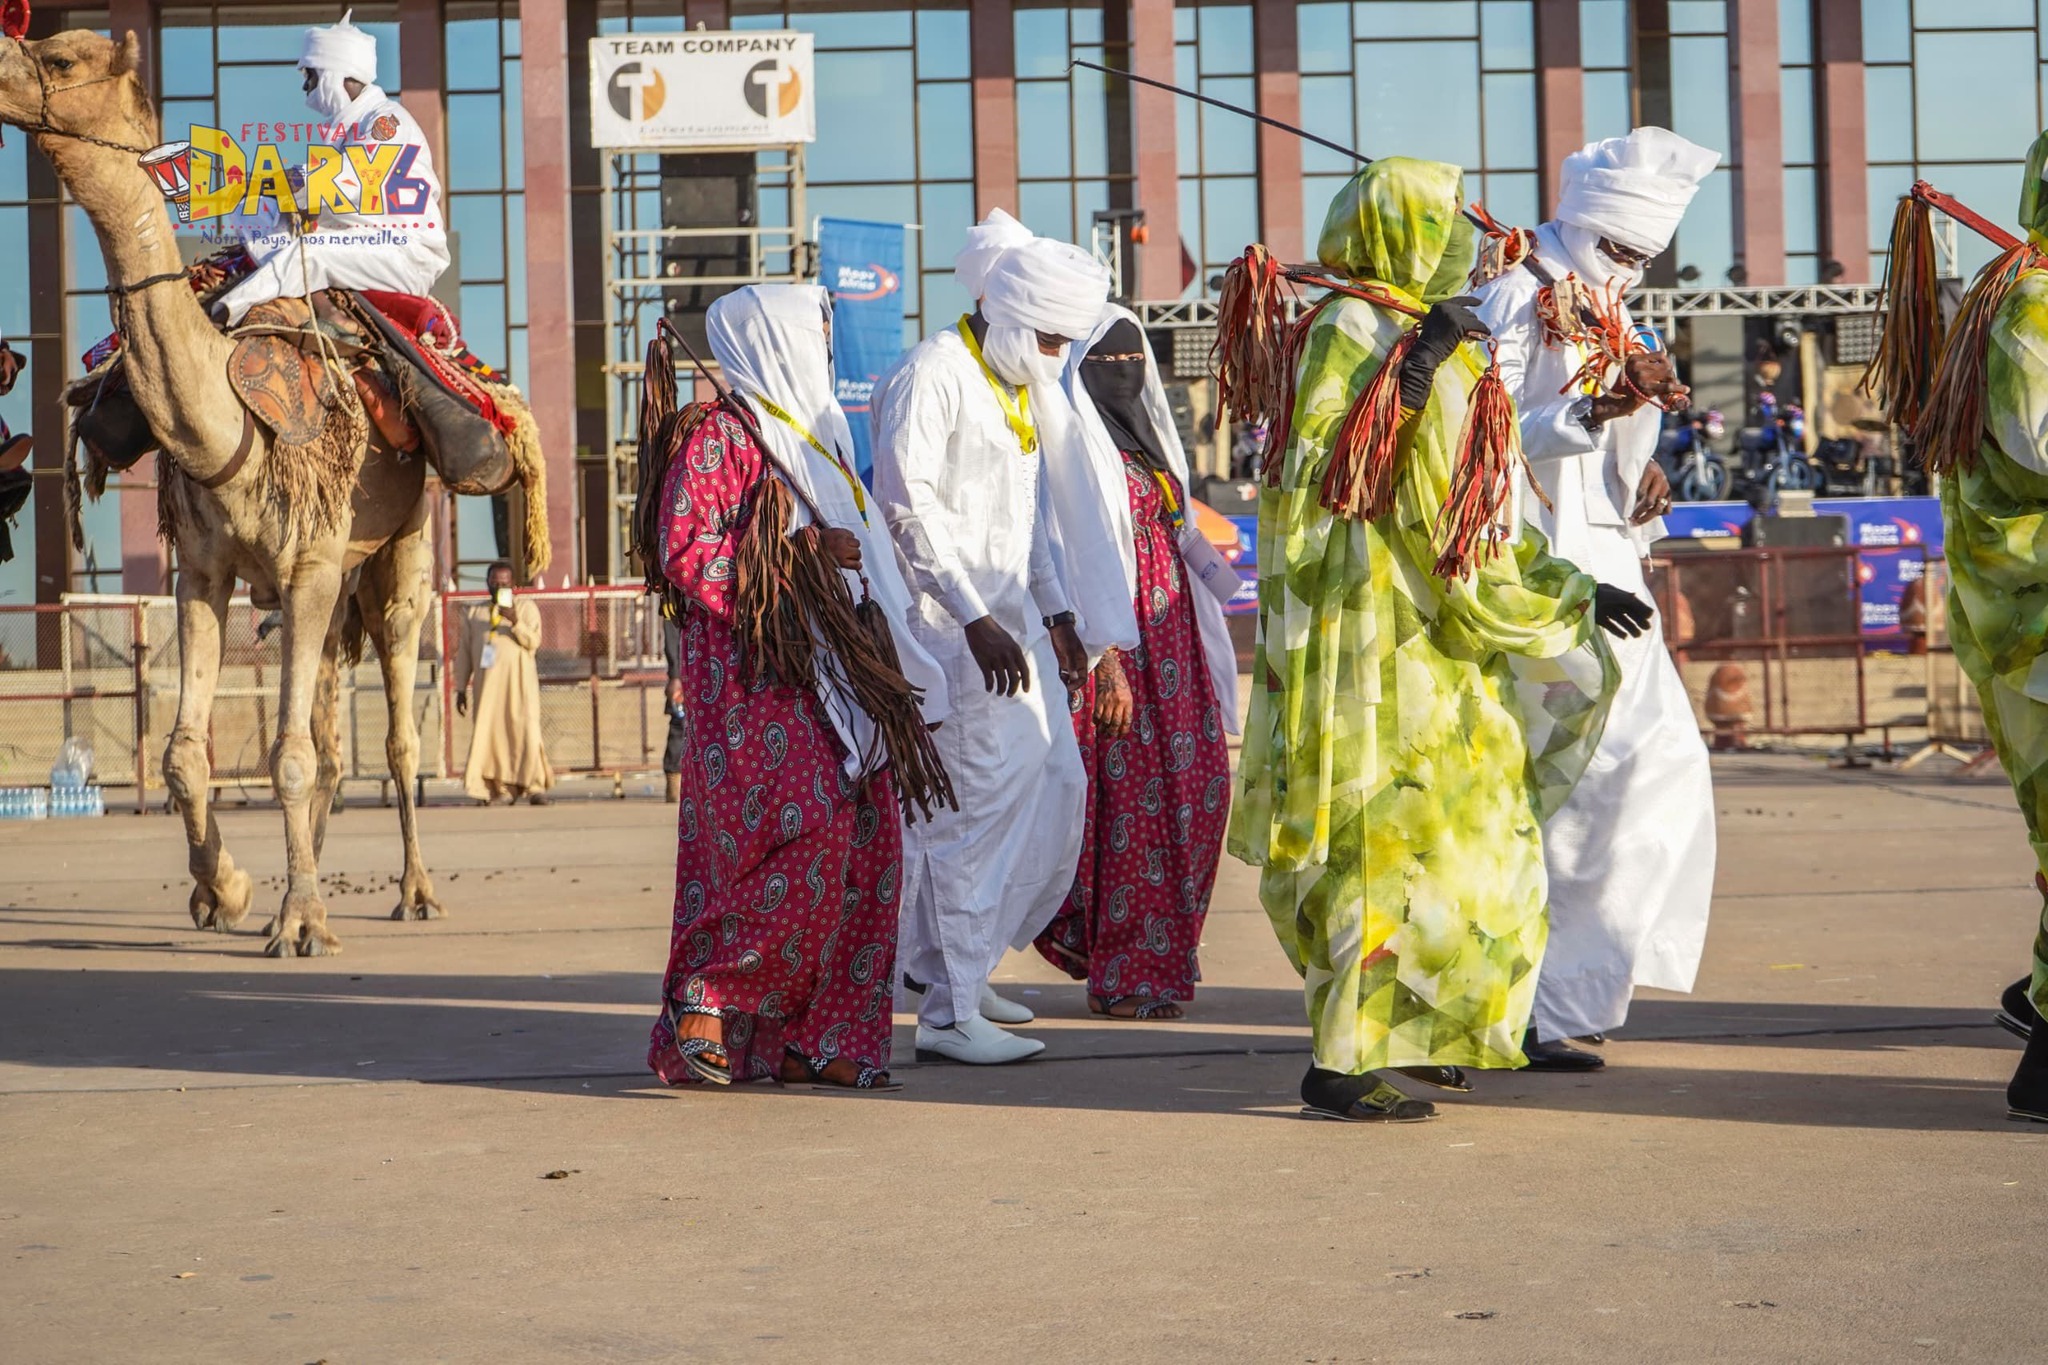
point(861, 266)
point(701, 89)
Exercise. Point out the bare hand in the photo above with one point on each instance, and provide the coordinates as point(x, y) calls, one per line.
point(1113, 703)
point(1653, 496)
point(842, 547)
point(675, 692)
point(1004, 669)
point(462, 702)
point(1073, 659)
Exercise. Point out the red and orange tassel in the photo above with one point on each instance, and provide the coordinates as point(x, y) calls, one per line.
point(1951, 421)
point(1359, 482)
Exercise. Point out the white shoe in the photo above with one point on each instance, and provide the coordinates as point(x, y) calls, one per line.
point(997, 1010)
point(975, 1041)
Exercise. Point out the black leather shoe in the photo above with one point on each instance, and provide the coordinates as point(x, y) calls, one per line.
point(2026, 1099)
point(1557, 1056)
point(2016, 1012)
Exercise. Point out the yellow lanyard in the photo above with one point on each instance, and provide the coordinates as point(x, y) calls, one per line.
point(1174, 512)
point(860, 497)
point(1016, 411)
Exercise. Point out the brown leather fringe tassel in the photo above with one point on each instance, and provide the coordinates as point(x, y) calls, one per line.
point(662, 432)
point(796, 620)
point(1901, 372)
point(1255, 349)
point(1952, 419)
point(1483, 476)
point(1359, 482)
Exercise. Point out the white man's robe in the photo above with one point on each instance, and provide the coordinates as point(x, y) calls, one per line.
point(1630, 856)
point(967, 510)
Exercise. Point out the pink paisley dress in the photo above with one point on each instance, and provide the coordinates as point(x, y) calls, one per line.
point(1158, 798)
point(787, 869)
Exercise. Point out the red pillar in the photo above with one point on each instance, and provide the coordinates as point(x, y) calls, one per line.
point(992, 32)
point(1560, 95)
point(1277, 57)
point(1757, 115)
point(420, 69)
point(1844, 183)
point(145, 568)
point(1158, 153)
point(550, 333)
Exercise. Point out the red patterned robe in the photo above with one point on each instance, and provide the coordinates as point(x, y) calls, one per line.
point(787, 870)
point(1158, 798)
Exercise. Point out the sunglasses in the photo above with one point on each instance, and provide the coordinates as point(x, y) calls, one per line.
point(1623, 255)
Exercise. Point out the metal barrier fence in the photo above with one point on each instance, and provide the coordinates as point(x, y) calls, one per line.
point(106, 669)
point(1772, 636)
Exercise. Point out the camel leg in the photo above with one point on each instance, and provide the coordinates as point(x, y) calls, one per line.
point(301, 924)
point(395, 596)
point(326, 735)
point(221, 892)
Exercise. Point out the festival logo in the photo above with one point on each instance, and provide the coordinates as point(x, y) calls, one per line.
point(637, 91)
point(774, 89)
point(213, 176)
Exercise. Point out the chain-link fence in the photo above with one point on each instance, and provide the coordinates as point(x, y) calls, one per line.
point(106, 670)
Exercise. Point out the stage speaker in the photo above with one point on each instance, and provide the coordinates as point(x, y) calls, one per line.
point(706, 190)
point(1795, 533)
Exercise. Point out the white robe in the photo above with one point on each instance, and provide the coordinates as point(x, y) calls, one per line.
point(404, 252)
point(1631, 855)
point(968, 512)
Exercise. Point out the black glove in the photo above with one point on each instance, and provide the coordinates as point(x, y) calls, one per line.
point(1444, 328)
point(1619, 611)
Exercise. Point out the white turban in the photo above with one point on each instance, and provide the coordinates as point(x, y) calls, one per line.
point(986, 240)
point(1047, 286)
point(344, 50)
point(1633, 190)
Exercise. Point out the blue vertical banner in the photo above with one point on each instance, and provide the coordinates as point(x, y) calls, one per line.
point(861, 265)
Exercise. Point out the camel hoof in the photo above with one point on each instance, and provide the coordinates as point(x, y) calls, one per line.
point(420, 909)
point(225, 904)
point(306, 943)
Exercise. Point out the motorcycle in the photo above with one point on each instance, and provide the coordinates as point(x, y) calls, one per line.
point(1774, 454)
point(1696, 473)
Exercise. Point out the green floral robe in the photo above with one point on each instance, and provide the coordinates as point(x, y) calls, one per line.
point(1407, 736)
point(1995, 519)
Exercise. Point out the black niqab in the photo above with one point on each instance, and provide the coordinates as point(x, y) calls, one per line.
point(1117, 388)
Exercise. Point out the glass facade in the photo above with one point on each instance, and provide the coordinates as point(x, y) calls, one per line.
point(1219, 151)
point(1451, 80)
point(1063, 162)
point(1953, 96)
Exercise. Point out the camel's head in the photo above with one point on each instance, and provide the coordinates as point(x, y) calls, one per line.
point(77, 82)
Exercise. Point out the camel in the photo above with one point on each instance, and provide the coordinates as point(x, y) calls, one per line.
point(81, 98)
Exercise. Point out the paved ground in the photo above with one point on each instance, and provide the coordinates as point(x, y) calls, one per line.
point(209, 1156)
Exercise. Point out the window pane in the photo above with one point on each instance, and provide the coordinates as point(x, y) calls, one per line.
point(185, 59)
point(14, 302)
point(1229, 141)
point(867, 28)
point(866, 125)
point(1508, 35)
point(1603, 33)
point(480, 218)
point(1974, 14)
point(1888, 113)
point(1802, 221)
point(1699, 90)
point(1511, 198)
point(1042, 146)
point(472, 54)
point(1510, 122)
point(1226, 40)
point(1974, 97)
point(1041, 42)
point(281, 43)
point(876, 203)
point(1231, 220)
point(1324, 32)
point(1417, 18)
point(1994, 190)
point(1316, 193)
point(1706, 239)
point(1326, 109)
point(1887, 31)
point(1699, 16)
point(1888, 184)
point(1797, 85)
point(942, 44)
point(1047, 208)
point(945, 211)
point(1091, 123)
point(475, 136)
point(1420, 99)
point(1607, 104)
point(1795, 32)
point(945, 120)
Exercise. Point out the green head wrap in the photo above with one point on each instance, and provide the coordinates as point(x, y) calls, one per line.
point(1397, 224)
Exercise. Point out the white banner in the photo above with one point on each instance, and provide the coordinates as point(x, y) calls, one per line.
point(701, 89)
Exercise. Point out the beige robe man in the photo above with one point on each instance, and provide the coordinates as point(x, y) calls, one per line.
point(494, 667)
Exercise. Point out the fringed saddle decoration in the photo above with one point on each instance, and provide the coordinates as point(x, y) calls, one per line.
point(1501, 248)
point(1931, 386)
point(794, 616)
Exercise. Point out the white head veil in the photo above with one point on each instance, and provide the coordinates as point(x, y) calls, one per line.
point(769, 340)
point(337, 53)
point(1631, 190)
point(1218, 650)
point(986, 240)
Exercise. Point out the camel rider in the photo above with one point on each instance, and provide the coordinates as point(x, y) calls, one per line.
point(403, 249)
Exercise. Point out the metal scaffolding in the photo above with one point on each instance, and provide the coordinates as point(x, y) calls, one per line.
point(636, 284)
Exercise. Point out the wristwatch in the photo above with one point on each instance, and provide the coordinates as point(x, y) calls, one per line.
point(1054, 622)
point(1582, 413)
